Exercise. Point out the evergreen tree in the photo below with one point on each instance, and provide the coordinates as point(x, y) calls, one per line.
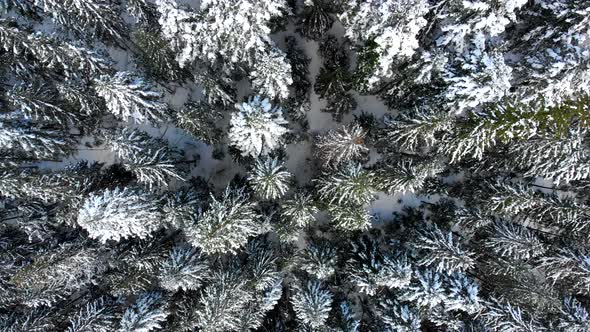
point(225, 225)
point(334, 79)
point(269, 179)
point(301, 209)
point(319, 260)
point(257, 127)
point(184, 269)
point(119, 213)
point(236, 32)
point(155, 54)
point(369, 269)
point(130, 96)
point(272, 76)
point(96, 316)
point(150, 160)
point(200, 120)
point(443, 252)
point(390, 28)
point(145, 315)
point(341, 146)
point(316, 19)
point(398, 317)
point(95, 18)
point(312, 303)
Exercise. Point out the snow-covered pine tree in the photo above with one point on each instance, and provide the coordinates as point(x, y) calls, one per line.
point(150, 160)
point(319, 260)
point(296, 213)
point(398, 317)
point(200, 120)
point(97, 315)
point(272, 75)
point(316, 18)
point(155, 54)
point(554, 50)
point(269, 179)
point(312, 303)
point(349, 217)
point(22, 142)
point(127, 95)
point(443, 252)
point(257, 127)
point(184, 269)
point(300, 208)
point(342, 146)
point(234, 32)
point(92, 18)
point(390, 29)
point(146, 314)
point(226, 224)
point(369, 269)
point(119, 213)
point(407, 175)
point(351, 184)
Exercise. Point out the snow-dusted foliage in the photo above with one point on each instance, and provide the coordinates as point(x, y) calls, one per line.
point(95, 316)
point(257, 127)
point(312, 303)
point(510, 240)
point(319, 260)
point(574, 317)
point(444, 252)
point(463, 295)
point(118, 214)
point(393, 26)
point(127, 95)
point(346, 320)
point(269, 179)
point(351, 184)
point(146, 314)
point(569, 266)
point(349, 217)
point(229, 34)
point(31, 143)
point(272, 75)
point(221, 302)
point(398, 317)
point(316, 20)
point(408, 176)
point(488, 80)
point(150, 160)
point(235, 31)
point(473, 24)
point(341, 146)
point(505, 317)
point(555, 51)
point(225, 225)
point(428, 291)
point(369, 269)
point(301, 209)
point(184, 269)
point(200, 120)
point(418, 130)
point(95, 18)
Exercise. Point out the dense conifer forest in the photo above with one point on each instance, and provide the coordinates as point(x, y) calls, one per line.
point(295, 165)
